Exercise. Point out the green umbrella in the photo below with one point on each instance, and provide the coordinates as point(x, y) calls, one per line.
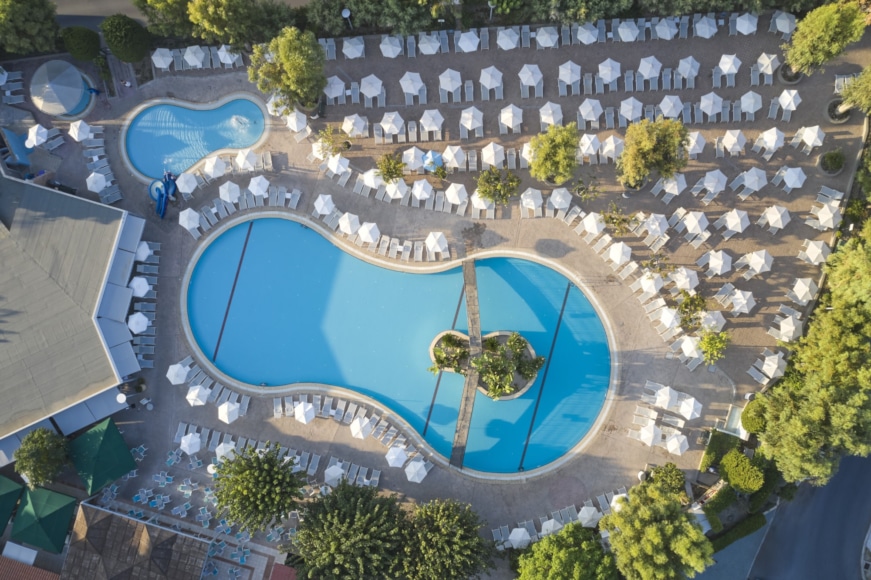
point(43, 519)
point(9, 494)
point(101, 456)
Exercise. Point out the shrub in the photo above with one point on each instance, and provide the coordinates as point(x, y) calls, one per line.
point(126, 38)
point(497, 186)
point(713, 345)
point(451, 354)
point(390, 167)
point(82, 43)
point(743, 528)
point(720, 500)
point(720, 444)
point(760, 496)
point(741, 472)
point(497, 366)
point(788, 491)
point(832, 161)
point(715, 522)
point(753, 416)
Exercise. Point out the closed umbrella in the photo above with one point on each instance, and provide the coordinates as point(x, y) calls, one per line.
point(589, 145)
point(627, 31)
point(215, 167)
point(590, 109)
point(768, 63)
point(335, 87)
point(734, 141)
point(304, 412)
point(371, 86)
point(369, 232)
point(186, 182)
point(137, 323)
point(746, 23)
point(188, 218)
point(139, 286)
point(360, 428)
point(789, 99)
point(355, 125)
point(391, 46)
point(472, 118)
point(751, 102)
point(519, 538)
point(79, 130)
point(493, 154)
point(530, 75)
point(507, 39)
point(666, 29)
point(421, 189)
point(546, 37)
point(397, 189)
point(161, 58)
point(560, 198)
point(228, 412)
point(456, 193)
point(688, 67)
point(593, 223)
point(324, 204)
point(531, 198)
point(772, 138)
point(194, 56)
point(729, 64)
point(706, 27)
point(612, 147)
point(550, 527)
point(631, 108)
point(392, 123)
point(229, 192)
point(436, 242)
point(829, 215)
point(454, 156)
point(177, 373)
point(246, 160)
point(755, 179)
point(190, 443)
point(677, 444)
point(649, 67)
point(353, 47)
point(589, 516)
point(609, 70)
point(468, 42)
point(711, 103)
point(413, 158)
point(671, 106)
point(227, 56)
point(619, 253)
point(450, 80)
point(569, 72)
point(511, 116)
point(259, 185)
point(656, 224)
point(551, 114)
point(396, 456)
point(429, 44)
point(650, 434)
point(696, 222)
point(349, 223)
point(695, 143)
point(225, 451)
point(675, 185)
point(715, 181)
point(742, 302)
point(411, 82)
point(96, 182)
point(719, 262)
point(794, 177)
point(197, 395)
point(777, 216)
point(817, 252)
point(415, 471)
point(491, 78)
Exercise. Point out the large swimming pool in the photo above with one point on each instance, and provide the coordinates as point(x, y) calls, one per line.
point(171, 137)
point(271, 301)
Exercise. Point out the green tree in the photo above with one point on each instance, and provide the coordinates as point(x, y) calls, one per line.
point(753, 416)
point(653, 537)
point(573, 553)
point(291, 65)
point(858, 92)
point(326, 16)
point(443, 543)
point(652, 145)
point(713, 345)
point(405, 16)
point(27, 26)
point(592, 10)
point(82, 43)
point(257, 488)
point(690, 308)
point(167, 17)
point(126, 38)
point(554, 154)
point(351, 533)
point(616, 218)
point(741, 473)
point(390, 167)
point(497, 186)
point(670, 478)
point(238, 22)
point(41, 457)
point(824, 34)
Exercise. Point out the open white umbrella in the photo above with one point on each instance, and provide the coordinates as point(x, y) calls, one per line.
point(355, 125)
point(530, 75)
point(695, 143)
point(396, 456)
point(225, 451)
point(619, 501)
point(472, 118)
point(390, 46)
point(794, 177)
point(829, 215)
point(696, 222)
point(790, 328)
point(479, 202)
point(143, 250)
point(450, 80)
point(456, 193)
point(468, 42)
point(711, 103)
point(511, 116)
point(715, 181)
point(421, 189)
point(649, 67)
point(79, 130)
point(353, 47)
point(746, 23)
point(139, 285)
point(259, 186)
point(392, 123)
point(689, 345)
point(546, 37)
point(751, 102)
point(777, 216)
point(690, 408)
point(671, 106)
point(609, 70)
point(493, 154)
point(742, 302)
point(560, 198)
point(551, 114)
point(273, 105)
point(188, 218)
point(719, 262)
point(411, 82)
point(688, 67)
point(507, 39)
point(612, 147)
point(526, 152)
point(96, 182)
point(431, 120)
point(666, 29)
point(304, 412)
point(137, 323)
point(162, 58)
point(197, 395)
point(666, 397)
point(759, 261)
point(436, 242)
point(650, 434)
point(589, 145)
point(371, 86)
point(246, 160)
point(789, 99)
point(397, 189)
point(335, 87)
point(734, 141)
point(177, 373)
point(784, 22)
point(413, 158)
point(772, 138)
point(706, 27)
point(619, 253)
point(569, 72)
point(228, 412)
point(729, 64)
point(333, 475)
point(589, 516)
point(226, 54)
point(550, 527)
point(685, 278)
point(453, 156)
point(804, 289)
point(214, 167)
point(675, 185)
point(336, 163)
point(656, 224)
point(360, 428)
point(774, 365)
point(768, 63)
point(349, 223)
point(590, 109)
point(428, 44)
point(519, 538)
point(190, 443)
point(491, 77)
point(531, 198)
point(677, 444)
point(415, 471)
point(372, 179)
point(186, 182)
point(631, 108)
point(817, 252)
point(669, 317)
point(593, 223)
point(229, 192)
point(369, 232)
point(812, 136)
point(713, 320)
point(627, 31)
point(324, 204)
point(194, 56)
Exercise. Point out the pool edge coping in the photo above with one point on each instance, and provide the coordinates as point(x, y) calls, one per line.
point(197, 106)
point(521, 476)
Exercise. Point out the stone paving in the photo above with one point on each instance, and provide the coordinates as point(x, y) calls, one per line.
point(608, 459)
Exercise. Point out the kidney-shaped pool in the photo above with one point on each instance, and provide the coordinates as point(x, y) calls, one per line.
point(271, 301)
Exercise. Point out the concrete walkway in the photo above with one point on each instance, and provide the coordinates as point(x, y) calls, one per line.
point(470, 387)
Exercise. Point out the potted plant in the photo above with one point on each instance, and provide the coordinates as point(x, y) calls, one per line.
point(832, 162)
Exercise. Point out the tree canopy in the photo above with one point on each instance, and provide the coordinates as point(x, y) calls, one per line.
point(167, 17)
point(741, 473)
point(443, 543)
point(653, 537)
point(497, 185)
point(291, 65)
point(27, 26)
point(351, 533)
point(573, 553)
point(82, 43)
point(402, 16)
point(42, 456)
point(858, 92)
point(821, 410)
point(126, 38)
point(824, 34)
point(658, 145)
point(239, 22)
point(670, 478)
point(554, 153)
point(257, 488)
point(713, 345)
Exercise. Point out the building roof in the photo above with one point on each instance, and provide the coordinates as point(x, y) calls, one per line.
point(14, 570)
point(56, 250)
point(106, 545)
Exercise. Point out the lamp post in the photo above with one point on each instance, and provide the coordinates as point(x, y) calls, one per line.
point(346, 14)
point(492, 6)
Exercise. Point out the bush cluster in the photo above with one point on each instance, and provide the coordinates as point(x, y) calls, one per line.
point(451, 354)
point(712, 508)
point(753, 416)
point(126, 38)
point(742, 473)
point(720, 444)
point(498, 364)
point(82, 43)
point(760, 496)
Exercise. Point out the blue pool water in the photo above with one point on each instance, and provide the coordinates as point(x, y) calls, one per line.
point(169, 137)
point(302, 310)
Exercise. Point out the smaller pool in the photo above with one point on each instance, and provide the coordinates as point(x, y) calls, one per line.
point(171, 137)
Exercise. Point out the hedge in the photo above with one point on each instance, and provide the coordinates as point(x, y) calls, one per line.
point(741, 472)
point(753, 416)
point(759, 497)
point(82, 43)
point(126, 38)
point(743, 528)
point(720, 444)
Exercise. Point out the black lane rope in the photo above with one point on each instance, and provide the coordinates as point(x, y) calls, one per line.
point(233, 290)
point(439, 380)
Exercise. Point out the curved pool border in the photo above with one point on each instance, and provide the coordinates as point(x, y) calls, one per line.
point(196, 106)
point(333, 390)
